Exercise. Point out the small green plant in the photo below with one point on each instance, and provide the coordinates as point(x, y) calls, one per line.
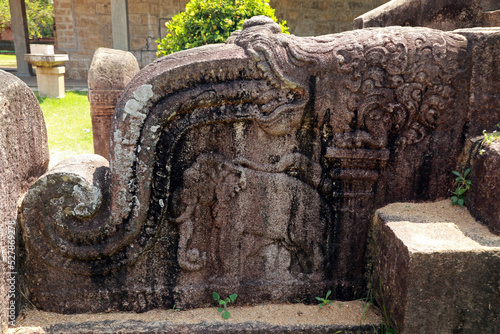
point(174, 309)
point(325, 301)
point(223, 303)
point(210, 21)
point(463, 185)
point(489, 138)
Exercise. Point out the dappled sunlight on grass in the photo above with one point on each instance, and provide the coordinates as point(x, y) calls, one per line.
point(8, 61)
point(69, 126)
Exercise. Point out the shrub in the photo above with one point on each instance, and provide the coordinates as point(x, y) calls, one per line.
point(210, 21)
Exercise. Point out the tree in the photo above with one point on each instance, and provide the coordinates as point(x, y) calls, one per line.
point(210, 21)
point(4, 14)
point(40, 15)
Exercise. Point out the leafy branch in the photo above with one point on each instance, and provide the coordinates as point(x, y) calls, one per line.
point(463, 185)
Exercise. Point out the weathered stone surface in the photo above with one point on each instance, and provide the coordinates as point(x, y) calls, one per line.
point(135, 327)
point(436, 269)
point(436, 14)
point(253, 168)
point(353, 317)
point(109, 73)
point(483, 196)
point(484, 49)
point(24, 156)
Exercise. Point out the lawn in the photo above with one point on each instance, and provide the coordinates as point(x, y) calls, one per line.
point(8, 61)
point(69, 127)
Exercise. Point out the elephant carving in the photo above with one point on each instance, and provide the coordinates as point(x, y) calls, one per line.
point(240, 218)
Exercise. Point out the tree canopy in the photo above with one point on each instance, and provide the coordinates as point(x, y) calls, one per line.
point(40, 15)
point(210, 21)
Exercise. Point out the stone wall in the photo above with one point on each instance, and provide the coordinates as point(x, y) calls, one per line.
point(311, 18)
point(85, 25)
point(82, 27)
point(147, 23)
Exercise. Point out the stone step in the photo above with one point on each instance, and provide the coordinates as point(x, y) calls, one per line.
point(491, 18)
point(490, 5)
point(437, 269)
point(339, 317)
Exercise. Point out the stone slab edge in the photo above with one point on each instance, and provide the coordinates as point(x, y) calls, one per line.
point(135, 326)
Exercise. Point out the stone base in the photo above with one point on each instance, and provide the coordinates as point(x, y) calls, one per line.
point(50, 81)
point(340, 317)
point(101, 125)
point(436, 269)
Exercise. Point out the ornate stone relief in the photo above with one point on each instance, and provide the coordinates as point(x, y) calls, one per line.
point(250, 167)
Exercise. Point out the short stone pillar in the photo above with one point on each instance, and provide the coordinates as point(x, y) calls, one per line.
point(109, 73)
point(50, 81)
point(49, 70)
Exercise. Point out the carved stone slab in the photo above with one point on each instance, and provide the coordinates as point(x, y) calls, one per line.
point(24, 156)
point(252, 168)
point(109, 73)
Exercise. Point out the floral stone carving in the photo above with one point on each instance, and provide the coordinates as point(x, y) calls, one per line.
point(252, 167)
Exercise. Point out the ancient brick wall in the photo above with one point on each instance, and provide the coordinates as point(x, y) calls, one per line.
point(85, 25)
point(82, 26)
point(310, 18)
point(147, 23)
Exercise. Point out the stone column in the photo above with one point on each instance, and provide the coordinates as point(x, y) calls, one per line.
point(20, 31)
point(109, 73)
point(50, 81)
point(119, 18)
point(354, 173)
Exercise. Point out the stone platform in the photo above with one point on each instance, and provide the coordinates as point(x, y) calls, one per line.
point(340, 317)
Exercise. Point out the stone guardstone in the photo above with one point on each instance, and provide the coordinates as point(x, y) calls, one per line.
point(109, 73)
point(24, 156)
point(436, 269)
point(252, 167)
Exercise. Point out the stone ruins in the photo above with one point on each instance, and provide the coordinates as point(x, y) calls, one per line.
point(24, 156)
point(110, 71)
point(268, 167)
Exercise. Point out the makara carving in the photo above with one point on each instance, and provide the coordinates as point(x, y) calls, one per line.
point(251, 167)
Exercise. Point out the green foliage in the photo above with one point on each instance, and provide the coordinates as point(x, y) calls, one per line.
point(210, 21)
point(325, 300)
point(4, 14)
point(462, 186)
point(489, 138)
point(223, 303)
point(39, 13)
point(174, 309)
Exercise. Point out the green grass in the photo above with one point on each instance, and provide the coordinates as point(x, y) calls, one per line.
point(8, 61)
point(69, 127)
